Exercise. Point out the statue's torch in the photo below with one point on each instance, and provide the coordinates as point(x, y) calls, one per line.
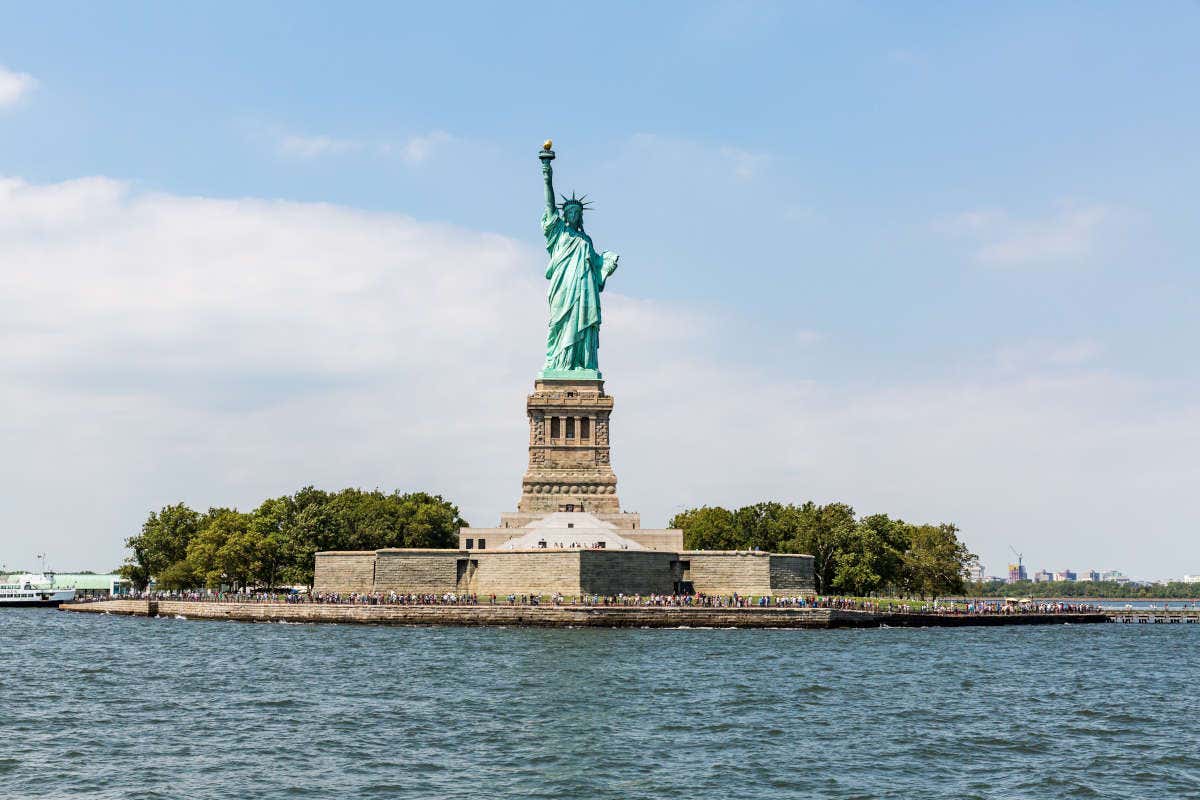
point(546, 154)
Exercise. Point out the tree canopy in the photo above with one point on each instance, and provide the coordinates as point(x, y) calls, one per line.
point(275, 544)
point(851, 555)
point(1109, 589)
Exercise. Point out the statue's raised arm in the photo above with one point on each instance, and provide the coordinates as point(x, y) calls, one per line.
point(577, 275)
point(547, 155)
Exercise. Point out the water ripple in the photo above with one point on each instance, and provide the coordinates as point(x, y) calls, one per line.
point(113, 707)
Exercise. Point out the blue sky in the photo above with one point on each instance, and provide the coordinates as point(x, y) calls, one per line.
point(828, 206)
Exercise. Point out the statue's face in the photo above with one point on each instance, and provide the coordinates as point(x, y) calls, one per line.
point(573, 214)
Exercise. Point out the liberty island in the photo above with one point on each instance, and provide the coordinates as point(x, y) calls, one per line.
point(569, 539)
point(568, 535)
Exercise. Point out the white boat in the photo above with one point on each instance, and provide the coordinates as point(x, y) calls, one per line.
point(28, 590)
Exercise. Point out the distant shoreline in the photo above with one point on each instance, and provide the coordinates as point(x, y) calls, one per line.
point(1082, 598)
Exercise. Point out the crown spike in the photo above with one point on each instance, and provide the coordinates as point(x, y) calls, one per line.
point(578, 200)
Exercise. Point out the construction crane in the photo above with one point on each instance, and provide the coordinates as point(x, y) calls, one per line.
point(1020, 561)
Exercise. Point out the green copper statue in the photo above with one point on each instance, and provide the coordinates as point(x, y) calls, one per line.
point(577, 274)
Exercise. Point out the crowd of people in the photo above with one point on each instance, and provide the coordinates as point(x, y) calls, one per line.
point(735, 600)
point(1004, 607)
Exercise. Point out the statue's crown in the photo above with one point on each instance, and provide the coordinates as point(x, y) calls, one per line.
point(581, 201)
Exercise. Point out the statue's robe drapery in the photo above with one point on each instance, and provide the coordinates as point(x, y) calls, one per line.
point(577, 274)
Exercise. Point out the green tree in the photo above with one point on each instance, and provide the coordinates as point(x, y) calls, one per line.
point(428, 520)
point(765, 526)
point(855, 556)
point(708, 528)
point(272, 524)
point(163, 542)
point(1092, 589)
point(935, 560)
point(225, 551)
point(277, 542)
point(822, 532)
point(316, 528)
point(872, 556)
point(180, 575)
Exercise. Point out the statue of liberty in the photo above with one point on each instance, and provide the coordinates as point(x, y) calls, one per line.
point(577, 274)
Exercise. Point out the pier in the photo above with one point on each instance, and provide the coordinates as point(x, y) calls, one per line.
point(1152, 616)
point(567, 616)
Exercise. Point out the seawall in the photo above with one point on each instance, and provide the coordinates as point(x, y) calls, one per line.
point(563, 616)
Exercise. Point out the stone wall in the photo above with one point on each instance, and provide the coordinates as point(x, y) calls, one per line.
point(135, 608)
point(418, 571)
point(613, 572)
point(792, 575)
point(565, 616)
point(719, 572)
point(494, 537)
point(657, 539)
point(571, 572)
point(500, 614)
point(524, 571)
point(747, 573)
point(344, 571)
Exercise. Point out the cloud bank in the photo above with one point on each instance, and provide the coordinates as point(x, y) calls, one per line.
point(1068, 236)
point(157, 348)
point(14, 86)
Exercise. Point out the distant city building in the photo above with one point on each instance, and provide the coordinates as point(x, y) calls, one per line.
point(1191, 579)
point(1091, 575)
point(975, 572)
point(1114, 575)
point(1042, 576)
point(1016, 572)
point(1065, 575)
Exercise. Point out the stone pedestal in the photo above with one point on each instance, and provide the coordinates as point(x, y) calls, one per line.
point(569, 467)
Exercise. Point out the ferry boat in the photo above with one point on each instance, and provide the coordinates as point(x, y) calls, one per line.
point(28, 590)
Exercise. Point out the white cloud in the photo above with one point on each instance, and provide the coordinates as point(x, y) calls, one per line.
point(14, 86)
point(1069, 235)
point(297, 146)
point(156, 348)
point(699, 159)
point(808, 338)
point(745, 164)
point(1033, 355)
point(1064, 467)
point(417, 149)
point(413, 151)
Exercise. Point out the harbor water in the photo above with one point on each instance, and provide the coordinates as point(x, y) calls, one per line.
point(118, 707)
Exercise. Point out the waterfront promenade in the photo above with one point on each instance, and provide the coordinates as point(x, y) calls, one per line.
point(573, 616)
point(1153, 615)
